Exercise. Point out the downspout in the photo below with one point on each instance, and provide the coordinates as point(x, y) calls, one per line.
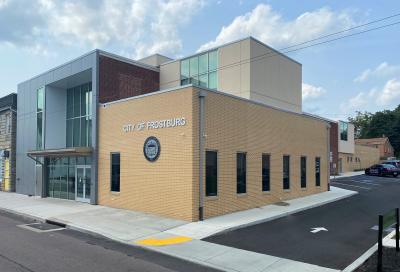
point(328, 129)
point(202, 96)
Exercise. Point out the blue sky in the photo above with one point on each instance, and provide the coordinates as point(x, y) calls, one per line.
point(356, 73)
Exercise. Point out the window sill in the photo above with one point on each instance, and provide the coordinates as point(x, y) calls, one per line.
point(241, 194)
point(115, 193)
point(266, 192)
point(304, 189)
point(212, 198)
point(286, 190)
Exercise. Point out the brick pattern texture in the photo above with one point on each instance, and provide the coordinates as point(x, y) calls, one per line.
point(363, 157)
point(169, 186)
point(120, 80)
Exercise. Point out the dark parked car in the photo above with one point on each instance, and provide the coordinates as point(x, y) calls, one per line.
point(383, 170)
point(395, 163)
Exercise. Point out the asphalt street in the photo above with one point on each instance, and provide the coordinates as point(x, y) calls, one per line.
point(350, 224)
point(66, 250)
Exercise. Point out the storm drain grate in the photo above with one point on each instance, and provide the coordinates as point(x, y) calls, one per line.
point(41, 227)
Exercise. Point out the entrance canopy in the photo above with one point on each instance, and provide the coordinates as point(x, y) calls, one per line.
point(63, 152)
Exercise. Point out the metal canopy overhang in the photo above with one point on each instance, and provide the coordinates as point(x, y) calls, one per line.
point(63, 152)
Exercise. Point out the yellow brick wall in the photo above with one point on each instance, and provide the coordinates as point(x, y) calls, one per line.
point(234, 125)
point(169, 186)
point(163, 187)
point(363, 157)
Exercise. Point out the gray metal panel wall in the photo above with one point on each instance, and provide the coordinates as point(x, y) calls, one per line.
point(56, 111)
point(26, 128)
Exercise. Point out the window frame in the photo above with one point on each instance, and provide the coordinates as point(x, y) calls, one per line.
point(283, 172)
point(111, 172)
point(317, 174)
point(303, 185)
point(217, 176)
point(245, 173)
point(262, 172)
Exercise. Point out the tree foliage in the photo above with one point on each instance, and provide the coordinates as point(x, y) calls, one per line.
point(371, 125)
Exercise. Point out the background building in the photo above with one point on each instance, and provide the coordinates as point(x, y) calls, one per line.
point(8, 130)
point(383, 144)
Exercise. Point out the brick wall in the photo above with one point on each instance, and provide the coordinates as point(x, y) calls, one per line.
point(120, 80)
point(363, 157)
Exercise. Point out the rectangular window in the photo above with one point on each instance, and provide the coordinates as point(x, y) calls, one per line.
point(115, 172)
point(286, 172)
point(211, 173)
point(200, 70)
point(40, 100)
point(266, 166)
point(318, 171)
point(343, 130)
point(241, 173)
point(79, 110)
point(303, 169)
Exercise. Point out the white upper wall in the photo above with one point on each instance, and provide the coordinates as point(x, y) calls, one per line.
point(346, 146)
point(155, 60)
point(252, 70)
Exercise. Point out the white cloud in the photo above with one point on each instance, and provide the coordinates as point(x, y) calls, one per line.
point(390, 93)
point(388, 96)
point(136, 27)
point(4, 3)
point(270, 27)
point(311, 92)
point(382, 70)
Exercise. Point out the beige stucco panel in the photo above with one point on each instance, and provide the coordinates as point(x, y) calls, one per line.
point(170, 75)
point(275, 79)
point(164, 187)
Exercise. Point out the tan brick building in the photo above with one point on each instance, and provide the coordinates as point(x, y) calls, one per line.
point(169, 186)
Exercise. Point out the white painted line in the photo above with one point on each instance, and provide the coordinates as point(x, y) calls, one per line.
point(352, 185)
point(368, 183)
point(316, 230)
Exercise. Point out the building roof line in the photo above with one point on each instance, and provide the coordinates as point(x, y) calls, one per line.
point(229, 43)
point(217, 92)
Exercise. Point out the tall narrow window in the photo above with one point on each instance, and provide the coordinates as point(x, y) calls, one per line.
point(115, 172)
point(241, 173)
point(211, 173)
point(79, 118)
point(303, 169)
point(286, 172)
point(39, 117)
point(318, 171)
point(266, 166)
point(344, 127)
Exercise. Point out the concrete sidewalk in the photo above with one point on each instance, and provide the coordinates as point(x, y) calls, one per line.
point(132, 227)
point(348, 174)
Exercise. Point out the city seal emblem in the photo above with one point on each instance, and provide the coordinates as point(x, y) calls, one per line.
point(151, 149)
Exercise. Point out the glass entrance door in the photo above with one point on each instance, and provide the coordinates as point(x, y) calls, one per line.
point(82, 183)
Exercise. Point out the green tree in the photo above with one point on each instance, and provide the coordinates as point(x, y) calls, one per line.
point(382, 123)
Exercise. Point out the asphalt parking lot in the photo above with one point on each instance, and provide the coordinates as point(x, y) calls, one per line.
point(350, 226)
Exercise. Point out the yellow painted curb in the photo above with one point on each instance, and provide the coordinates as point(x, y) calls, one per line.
point(164, 242)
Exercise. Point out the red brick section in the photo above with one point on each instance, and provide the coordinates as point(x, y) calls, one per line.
point(334, 147)
point(120, 80)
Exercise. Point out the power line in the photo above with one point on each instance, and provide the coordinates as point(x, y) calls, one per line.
point(274, 53)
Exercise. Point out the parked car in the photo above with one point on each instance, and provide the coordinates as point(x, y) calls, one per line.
point(383, 170)
point(395, 163)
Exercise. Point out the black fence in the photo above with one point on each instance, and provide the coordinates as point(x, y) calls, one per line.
point(385, 221)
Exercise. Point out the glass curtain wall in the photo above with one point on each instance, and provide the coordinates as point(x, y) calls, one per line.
point(79, 116)
point(61, 176)
point(200, 70)
point(39, 118)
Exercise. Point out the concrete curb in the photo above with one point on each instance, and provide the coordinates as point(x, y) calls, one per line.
point(256, 222)
point(363, 258)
